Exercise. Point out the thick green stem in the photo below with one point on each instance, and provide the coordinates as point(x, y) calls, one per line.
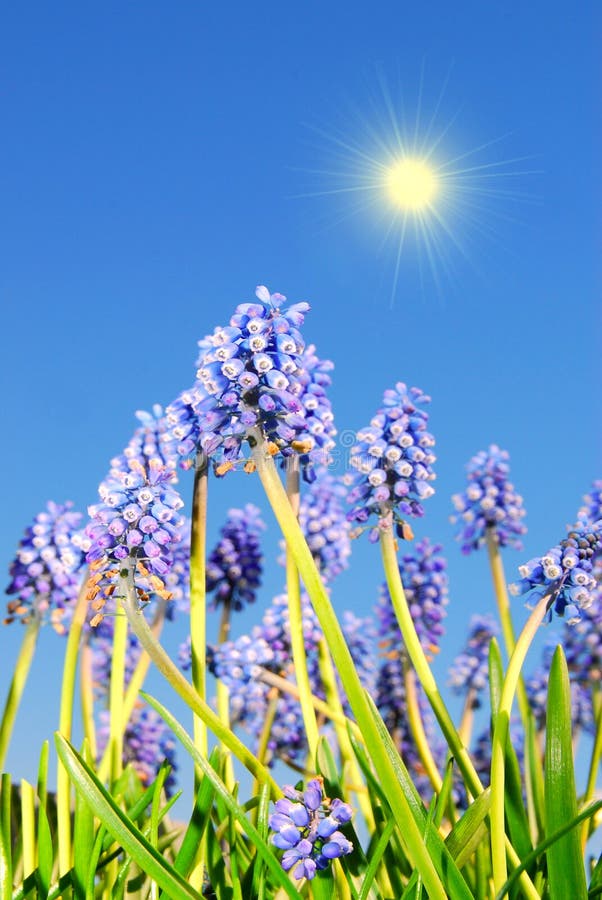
point(182, 687)
point(293, 591)
point(198, 620)
point(63, 793)
point(500, 735)
point(17, 685)
point(420, 662)
point(343, 661)
point(348, 759)
point(86, 690)
point(116, 690)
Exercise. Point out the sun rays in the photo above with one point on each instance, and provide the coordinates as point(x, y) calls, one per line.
point(426, 198)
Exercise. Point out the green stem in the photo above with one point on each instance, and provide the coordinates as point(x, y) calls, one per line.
point(182, 687)
point(503, 607)
point(348, 758)
point(594, 763)
point(417, 728)
point(223, 694)
point(28, 838)
point(117, 721)
point(198, 622)
point(297, 635)
point(86, 689)
point(420, 662)
point(17, 685)
point(343, 661)
point(63, 792)
point(134, 686)
point(500, 735)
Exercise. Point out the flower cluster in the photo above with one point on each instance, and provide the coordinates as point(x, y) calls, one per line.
point(469, 672)
point(310, 386)
point(182, 422)
point(582, 642)
point(393, 460)
point(252, 374)
point(234, 566)
point(149, 441)
point(565, 573)
point(305, 826)
point(591, 510)
point(147, 743)
point(325, 526)
point(137, 519)
point(46, 572)
point(424, 576)
point(490, 501)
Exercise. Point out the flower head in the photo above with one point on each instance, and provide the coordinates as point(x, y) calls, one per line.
point(325, 525)
point(182, 424)
point(565, 573)
point(47, 569)
point(393, 460)
point(137, 519)
point(591, 510)
point(490, 501)
point(149, 441)
point(469, 671)
point(147, 743)
point(252, 373)
point(234, 566)
point(305, 826)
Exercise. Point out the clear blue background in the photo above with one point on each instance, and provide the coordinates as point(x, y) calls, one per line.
point(157, 161)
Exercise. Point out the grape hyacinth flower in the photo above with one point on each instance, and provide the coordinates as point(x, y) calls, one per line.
point(305, 826)
point(149, 441)
point(182, 418)
point(252, 374)
point(393, 461)
point(137, 521)
point(582, 642)
point(469, 672)
point(148, 743)
point(325, 525)
point(234, 566)
point(565, 573)
point(47, 569)
point(423, 572)
point(490, 501)
point(591, 510)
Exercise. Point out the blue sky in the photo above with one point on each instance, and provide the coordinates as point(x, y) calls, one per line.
point(160, 160)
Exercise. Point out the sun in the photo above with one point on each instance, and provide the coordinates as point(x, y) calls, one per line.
point(409, 179)
point(411, 184)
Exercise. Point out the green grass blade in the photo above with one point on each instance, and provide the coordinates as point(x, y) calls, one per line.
point(225, 796)
point(566, 872)
point(587, 813)
point(450, 875)
point(6, 861)
point(196, 827)
point(375, 857)
point(120, 826)
point(83, 838)
point(259, 868)
point(595, 885)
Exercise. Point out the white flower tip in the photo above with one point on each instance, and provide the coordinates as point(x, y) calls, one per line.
point(262, 293)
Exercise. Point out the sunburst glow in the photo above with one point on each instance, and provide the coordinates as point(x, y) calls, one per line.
point(411, 184)
point(410, 181)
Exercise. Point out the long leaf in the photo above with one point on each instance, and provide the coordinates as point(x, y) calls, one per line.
point(6, 862)
point(224, 794)
point(440, 855)
point(566, 872)
point(120, 826)
point(198, 822)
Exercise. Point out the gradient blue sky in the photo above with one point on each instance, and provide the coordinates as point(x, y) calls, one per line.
point(159, 160)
